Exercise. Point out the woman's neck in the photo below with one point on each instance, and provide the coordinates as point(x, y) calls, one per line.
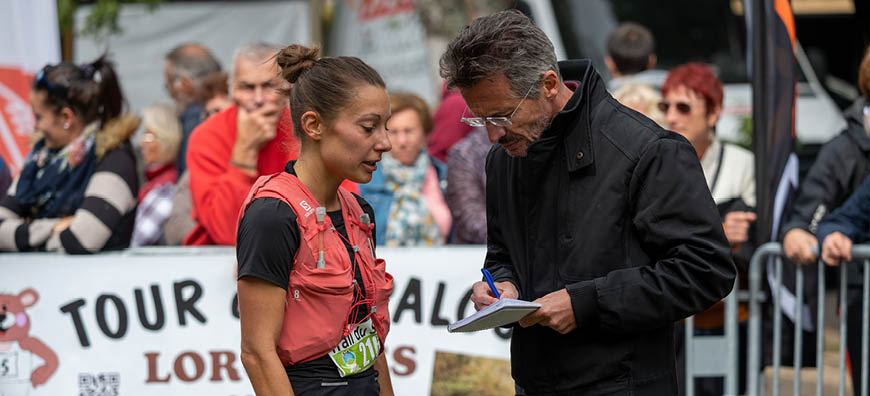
point(323, 185)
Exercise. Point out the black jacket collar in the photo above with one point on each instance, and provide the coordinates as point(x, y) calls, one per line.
point(575, 120)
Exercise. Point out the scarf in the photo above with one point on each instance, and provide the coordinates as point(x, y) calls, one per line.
point(53, 182)
point(410, 222)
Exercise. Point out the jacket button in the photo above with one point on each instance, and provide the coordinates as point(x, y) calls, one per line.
point(580, 155)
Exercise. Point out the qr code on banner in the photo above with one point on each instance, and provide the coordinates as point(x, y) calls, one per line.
point(100, 384)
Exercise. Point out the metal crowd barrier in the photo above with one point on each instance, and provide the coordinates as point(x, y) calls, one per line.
point(859, 253)
point(727, 345)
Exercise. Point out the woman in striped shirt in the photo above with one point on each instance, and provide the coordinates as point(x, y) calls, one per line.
point(77, 189)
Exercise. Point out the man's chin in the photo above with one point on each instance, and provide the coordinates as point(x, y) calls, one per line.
point(517, 152)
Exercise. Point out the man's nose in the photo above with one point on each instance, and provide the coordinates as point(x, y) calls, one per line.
point(259, 95)
point(494, 132)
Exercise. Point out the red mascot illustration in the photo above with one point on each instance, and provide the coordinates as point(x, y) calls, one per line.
point(18, 350)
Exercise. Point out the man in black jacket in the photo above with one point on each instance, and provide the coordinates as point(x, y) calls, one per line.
point(593, 211)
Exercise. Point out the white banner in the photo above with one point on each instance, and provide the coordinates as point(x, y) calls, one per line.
point(163, 321)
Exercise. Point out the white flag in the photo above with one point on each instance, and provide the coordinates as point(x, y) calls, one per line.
point(31, 39)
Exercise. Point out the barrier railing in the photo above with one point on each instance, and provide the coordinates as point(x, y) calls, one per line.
point(860, 253)
point(860, 256)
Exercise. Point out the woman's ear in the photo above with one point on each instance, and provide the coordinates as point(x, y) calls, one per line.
point(67, 117)
point(312, 125)
point(713, 116)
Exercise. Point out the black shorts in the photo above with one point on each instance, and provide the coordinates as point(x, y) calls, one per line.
point(362, 386)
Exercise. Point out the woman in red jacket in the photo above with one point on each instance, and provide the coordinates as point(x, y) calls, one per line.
point(313, 297)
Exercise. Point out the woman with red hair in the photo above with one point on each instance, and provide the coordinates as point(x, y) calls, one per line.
point(692, 105)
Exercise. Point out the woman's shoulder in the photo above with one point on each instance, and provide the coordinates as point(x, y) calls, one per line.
point(116, 134)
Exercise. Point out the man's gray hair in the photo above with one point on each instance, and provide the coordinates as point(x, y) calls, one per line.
point(506, 42)
point(259, 51)
point(192, 60)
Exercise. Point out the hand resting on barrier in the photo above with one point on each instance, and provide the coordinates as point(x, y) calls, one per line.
point(836, 248)
point(798, 245)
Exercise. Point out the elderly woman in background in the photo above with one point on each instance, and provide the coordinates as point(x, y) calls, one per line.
point(405, 189)
point(643, 99)
point(77, 189)
point(159, 146)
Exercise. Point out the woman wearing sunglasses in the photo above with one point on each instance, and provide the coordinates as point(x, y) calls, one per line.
point(692, 105)
point(77, 189)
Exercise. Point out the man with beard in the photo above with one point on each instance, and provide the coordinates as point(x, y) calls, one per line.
point(593, 211)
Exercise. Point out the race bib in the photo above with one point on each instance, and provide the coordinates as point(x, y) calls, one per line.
point(358, 351)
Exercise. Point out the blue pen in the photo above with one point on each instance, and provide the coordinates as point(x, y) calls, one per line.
point(489, 280)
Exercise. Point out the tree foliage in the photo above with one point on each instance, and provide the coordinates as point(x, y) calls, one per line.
point(102, 20)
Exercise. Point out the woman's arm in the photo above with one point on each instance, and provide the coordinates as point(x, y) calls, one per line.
point(384, 375)
point(261, 313)
point(109, 196)
point(17, 233)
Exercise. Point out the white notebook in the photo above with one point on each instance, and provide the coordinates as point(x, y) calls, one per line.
point(500, 313)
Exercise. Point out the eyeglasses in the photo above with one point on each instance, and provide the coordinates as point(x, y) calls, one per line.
point(497, 121)
point(58, 91)
point(682, 107)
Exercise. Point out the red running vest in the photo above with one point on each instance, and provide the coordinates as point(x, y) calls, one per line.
point(319, 300)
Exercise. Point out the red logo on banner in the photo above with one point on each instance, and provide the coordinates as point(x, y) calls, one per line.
point(372, 9)
point(17, 347)
point(16, 118)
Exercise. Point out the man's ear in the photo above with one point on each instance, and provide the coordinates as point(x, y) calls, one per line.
point(551, 84)
point(312, 125)
point(185, 84)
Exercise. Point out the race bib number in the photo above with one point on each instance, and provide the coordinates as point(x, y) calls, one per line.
point(9, 365)
point(358, 351)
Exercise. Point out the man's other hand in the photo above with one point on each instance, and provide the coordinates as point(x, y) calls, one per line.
point(555, 312)
point(836, 248)
point(798, 246)
point(482, 297)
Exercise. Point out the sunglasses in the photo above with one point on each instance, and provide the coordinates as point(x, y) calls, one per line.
point(682, 107)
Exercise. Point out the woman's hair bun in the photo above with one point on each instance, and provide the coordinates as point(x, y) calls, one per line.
point(296, 59)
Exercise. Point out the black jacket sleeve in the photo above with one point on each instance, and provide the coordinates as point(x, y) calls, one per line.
point(678, 227)
point(826, 186)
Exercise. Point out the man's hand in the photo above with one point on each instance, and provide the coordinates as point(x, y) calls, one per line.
point(835, 248)
point(482, 297)
point(253, 130)
point(555, 312)
point(737, 226)
point(798, 246)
